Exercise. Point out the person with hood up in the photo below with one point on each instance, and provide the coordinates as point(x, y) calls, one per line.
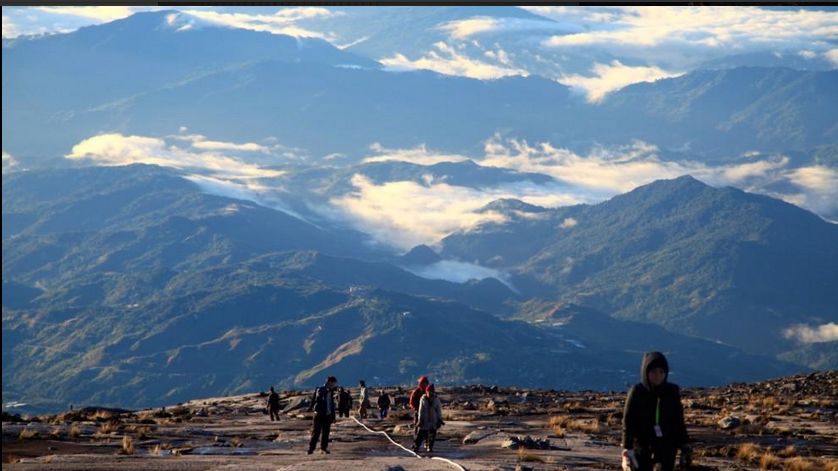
point(416, 397)
point(653, 420)
point(430, 419)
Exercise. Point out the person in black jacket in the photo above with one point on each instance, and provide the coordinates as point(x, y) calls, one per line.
point(344, 402)
point(383, 404)
point(272, 404)
point(653, 420)
point(323, 405)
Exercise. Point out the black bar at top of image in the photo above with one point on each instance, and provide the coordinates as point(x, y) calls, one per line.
point(705, 4)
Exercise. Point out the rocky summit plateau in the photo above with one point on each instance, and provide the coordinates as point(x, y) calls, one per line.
point(790, 423)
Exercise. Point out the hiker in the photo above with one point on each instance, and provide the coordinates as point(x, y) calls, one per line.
point(323, 405)
point(653, 420)
point(344, 402)
point(364, 398)
point(272, 404)
point(383, 404)
point(416, 397)
point(430, 419)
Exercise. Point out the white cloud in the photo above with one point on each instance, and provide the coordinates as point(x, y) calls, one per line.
point(688, 35)
point(819, 187)
point(816, 178)
point(417, 155)
point(807, 54)
point(613, 76)
point(805, 334)
point(446, 60)
point(282, 22)
point(458, 272)
point(464, 29)
point(9, 162)
point(568, 223)
point(405, 214)
point(605, 172)
point(832, 56)
point(761, 168)
point(352, 43)
point(10, 30)
point(602, 173)
point(200, 142)
point(117, 149)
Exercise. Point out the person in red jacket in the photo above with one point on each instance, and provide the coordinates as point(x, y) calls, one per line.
point(416, 397)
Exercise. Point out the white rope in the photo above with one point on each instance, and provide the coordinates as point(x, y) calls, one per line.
point(406, 449)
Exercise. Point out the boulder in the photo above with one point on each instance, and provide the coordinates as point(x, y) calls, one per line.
point(527, 442)
point(475, 437)
point(295, 404)
point(729, 422)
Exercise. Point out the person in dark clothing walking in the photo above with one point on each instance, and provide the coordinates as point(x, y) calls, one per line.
point(344, 402)
point(383, 404)
point(653, 420)
point(272, 404)
point(323, 405)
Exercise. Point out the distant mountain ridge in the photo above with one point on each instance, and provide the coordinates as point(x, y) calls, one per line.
point(162, 87)
point(717, 263)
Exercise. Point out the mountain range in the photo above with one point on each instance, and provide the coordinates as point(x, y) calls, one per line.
point(210, 294)
point(300, 90)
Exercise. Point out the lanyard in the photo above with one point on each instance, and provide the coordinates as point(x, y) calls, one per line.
point(658, 412)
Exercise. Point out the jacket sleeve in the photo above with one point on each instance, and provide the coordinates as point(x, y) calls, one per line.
point(630, 419)
point(680, 424)
point(438, 407)
point(423, 404)
point(313, 400)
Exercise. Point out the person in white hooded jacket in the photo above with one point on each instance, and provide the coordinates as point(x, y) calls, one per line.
point(430, 419)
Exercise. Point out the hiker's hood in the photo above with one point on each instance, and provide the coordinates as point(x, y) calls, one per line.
point(652, 360)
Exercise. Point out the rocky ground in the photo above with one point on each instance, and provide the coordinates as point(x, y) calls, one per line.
point(787, 424)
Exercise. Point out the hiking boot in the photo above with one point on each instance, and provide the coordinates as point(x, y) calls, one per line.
point(310, 452)
point(324, 451)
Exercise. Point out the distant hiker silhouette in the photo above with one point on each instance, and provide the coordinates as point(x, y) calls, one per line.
point(272, 404)
point(416, 397)
point(430, 419)
point(383, 404)
point(653, 420)
point(364, 399)
point(323, 405)
point(344, 402)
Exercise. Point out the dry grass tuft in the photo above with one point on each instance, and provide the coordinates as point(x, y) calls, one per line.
point(75, 431)
point(107, 429)
point(750, 453)
point(28, 433)
point(788, 452)
point(769, 461)
point(526, 456)
point(128, 445)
